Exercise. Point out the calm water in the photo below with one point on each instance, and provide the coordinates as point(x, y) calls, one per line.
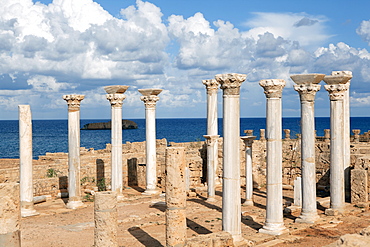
point(52, 135)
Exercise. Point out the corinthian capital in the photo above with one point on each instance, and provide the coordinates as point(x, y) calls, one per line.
point(337, 85)
point(150, 101)
point(307, 92)
point(116, 100)
point(336, 91)
point(73, 101)
point(230, 83)
point(150, 97)
point(273, 87)
point(211, 85)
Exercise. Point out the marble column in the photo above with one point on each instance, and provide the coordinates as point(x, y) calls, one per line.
point(347, 132)
point(115, 95)
point(25, 160)
point(212, 119)
point(10, 215)
point(74, 187)
point(150, 98)
point(175, 197)
point(307, 88)
point(211, 141)
point(231, 207)
point(248, 141)
point(274, 223)
point(336, 87)
point(105, 218)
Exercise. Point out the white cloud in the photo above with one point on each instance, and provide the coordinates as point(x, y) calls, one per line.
point(42, 83)
point(308, 30)
point(364, 31)
point(78, 47)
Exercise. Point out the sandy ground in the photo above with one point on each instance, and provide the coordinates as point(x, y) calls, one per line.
point(142, 222)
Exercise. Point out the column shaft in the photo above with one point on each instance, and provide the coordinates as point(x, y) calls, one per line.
point(116, 139)
point(211, 141)
point(231, 211)
point(74, 189)
point(336, 155)
point(150, 98)
point(309, 209)
point(274, 224)
point(274, 201)
point(212, 125)
point(175, 197)
point(347, 140)
point(151, 153)
point(248, 176)
point(25, 159)
point(231, 201)
point(337, 86)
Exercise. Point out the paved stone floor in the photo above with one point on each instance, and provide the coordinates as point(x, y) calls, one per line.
point(142, 222)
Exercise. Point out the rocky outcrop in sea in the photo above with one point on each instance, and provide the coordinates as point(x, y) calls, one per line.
point(126, 124)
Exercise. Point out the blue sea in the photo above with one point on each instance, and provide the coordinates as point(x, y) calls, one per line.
point(52, 135)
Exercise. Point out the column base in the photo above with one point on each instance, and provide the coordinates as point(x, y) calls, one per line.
point(237, 239)
point(248, 202)
point(273, 229)
point(305, 218)
point(75, 204)
point(121, 197)
point(27, 212)
point(211, 199)
point(151, 192)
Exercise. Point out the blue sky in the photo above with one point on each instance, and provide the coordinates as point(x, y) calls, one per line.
point(51, 48)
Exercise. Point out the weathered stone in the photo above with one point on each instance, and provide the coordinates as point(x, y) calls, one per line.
point(105, 217)
point(353, 240)
point(10, 215)
point(359, 187)
point(175, 197)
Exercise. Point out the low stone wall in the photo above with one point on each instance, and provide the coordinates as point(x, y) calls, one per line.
point(50, 171)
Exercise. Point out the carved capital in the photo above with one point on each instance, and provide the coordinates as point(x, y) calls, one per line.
point(248, 140)
point(307, 92)
point(116, 100)
point(230, 83)
point(73, 101)
point(211, 85)
point(150, 101)
point(211, 139)
point(336, 91)
point(273, 87)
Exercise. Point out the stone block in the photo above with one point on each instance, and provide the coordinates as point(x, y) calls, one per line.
point(10, 215)
point(353, 240)
point(359, 190)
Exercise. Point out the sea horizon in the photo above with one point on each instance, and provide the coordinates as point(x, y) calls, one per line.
point(52, 135)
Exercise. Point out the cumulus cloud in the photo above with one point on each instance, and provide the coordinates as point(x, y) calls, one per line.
point(78, 47)
point(364, 31)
